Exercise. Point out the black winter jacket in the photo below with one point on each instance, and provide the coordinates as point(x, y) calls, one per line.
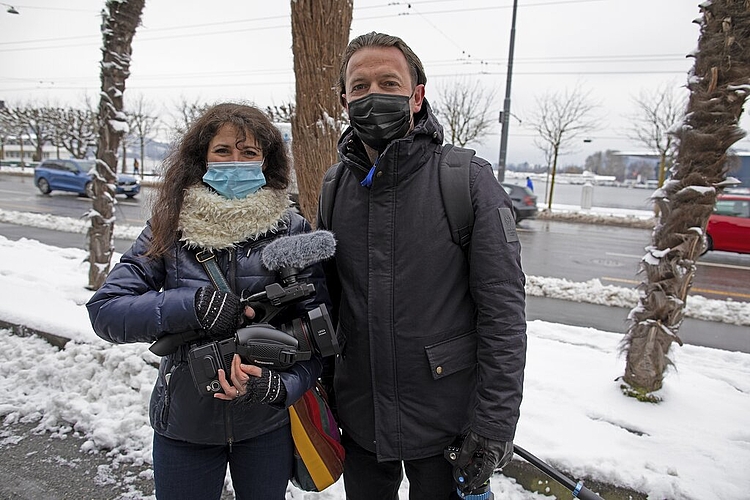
point(142, 300)
point(435, 338)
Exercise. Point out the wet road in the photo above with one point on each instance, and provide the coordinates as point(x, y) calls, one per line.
point(577, 252)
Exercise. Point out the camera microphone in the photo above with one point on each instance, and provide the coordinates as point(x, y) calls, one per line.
point(287, 255)
point(298, 251)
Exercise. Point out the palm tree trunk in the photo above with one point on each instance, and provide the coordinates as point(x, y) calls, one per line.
point(719, 83)
point(119, 22)
point(320, 33)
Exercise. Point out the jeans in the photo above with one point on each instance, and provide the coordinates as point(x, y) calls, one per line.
point(367, 479)
point(260, 467)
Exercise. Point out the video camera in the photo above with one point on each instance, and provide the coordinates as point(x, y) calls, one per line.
point(260, 343)
point(264, 345)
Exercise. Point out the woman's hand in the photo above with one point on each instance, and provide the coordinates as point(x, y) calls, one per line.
point(249, 313)
point(252, 383)
point(240, 376)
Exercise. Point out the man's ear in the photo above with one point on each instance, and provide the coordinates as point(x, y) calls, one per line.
point(418, 98)
point(344, 103)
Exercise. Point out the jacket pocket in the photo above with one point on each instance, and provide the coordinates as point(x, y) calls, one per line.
point(452, 355)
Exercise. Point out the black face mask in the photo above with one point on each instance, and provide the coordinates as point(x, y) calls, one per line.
point(380, 118)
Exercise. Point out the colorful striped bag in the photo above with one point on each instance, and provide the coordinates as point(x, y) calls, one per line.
point(318, 454)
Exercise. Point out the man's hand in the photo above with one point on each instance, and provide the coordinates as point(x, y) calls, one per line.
point(478, 459)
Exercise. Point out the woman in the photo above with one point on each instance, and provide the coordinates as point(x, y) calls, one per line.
point(223, 194)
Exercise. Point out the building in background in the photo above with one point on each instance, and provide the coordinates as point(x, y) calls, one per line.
point(642, 168)
point(17, 153)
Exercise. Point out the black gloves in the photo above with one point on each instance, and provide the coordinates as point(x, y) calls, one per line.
point(219, 313)
point(478, 459)
point(267, 389)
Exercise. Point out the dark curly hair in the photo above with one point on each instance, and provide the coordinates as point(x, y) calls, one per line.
point(186, 164)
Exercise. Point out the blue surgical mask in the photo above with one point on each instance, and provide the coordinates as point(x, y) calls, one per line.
point(235, 179)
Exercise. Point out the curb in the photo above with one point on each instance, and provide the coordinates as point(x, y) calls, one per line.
point(25, 331)
point(535, 481)
point(583, 218)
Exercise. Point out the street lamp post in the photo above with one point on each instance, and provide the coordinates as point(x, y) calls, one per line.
point(505, 116)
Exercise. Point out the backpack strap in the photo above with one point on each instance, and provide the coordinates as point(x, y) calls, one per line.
point(328, 194)
point(455, 189)
point(454, 172)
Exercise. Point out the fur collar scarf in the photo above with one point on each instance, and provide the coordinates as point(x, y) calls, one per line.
point(212, 222)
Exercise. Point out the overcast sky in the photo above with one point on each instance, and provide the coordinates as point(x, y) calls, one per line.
point(241, 50)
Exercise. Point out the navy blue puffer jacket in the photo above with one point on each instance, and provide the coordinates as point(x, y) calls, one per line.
point(145, 299)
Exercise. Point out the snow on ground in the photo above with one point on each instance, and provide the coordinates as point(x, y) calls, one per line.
point(695, 444)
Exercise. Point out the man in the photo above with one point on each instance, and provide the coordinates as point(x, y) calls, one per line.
point(435, 336)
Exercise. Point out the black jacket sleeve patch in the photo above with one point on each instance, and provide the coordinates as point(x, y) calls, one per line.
point(509, 224)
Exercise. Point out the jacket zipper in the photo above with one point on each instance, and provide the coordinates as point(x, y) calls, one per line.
point(228, 426)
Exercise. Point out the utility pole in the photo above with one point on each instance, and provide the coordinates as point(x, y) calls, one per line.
point(505, 115)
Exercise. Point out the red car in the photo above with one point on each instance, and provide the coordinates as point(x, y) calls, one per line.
point(729, 226)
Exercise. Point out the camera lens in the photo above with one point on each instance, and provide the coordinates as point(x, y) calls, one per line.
point(314, 333)
point(321, 331)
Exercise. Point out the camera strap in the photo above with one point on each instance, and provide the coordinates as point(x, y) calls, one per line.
point(208, 259)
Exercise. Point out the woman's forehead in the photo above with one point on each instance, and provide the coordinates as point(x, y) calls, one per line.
point(232, 134)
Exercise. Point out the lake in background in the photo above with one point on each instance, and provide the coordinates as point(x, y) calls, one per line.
point(604, 196)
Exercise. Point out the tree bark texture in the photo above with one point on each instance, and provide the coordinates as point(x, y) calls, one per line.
point(320, 33)
point(719, 84)
point(120, 18)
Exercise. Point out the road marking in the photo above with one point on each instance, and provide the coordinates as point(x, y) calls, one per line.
point(707, 264)
point(692, 289)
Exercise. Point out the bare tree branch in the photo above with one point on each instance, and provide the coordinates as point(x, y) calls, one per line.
point(282, 113)
point(656, 113)
point(559, 120)
point(464, 110)
point(12, 125)
point(36, 121)
point(187, 112)
point(143, 125)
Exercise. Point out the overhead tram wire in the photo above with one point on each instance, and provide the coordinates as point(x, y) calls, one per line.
point(563, 59)
point(221, 24)
point(494, 7)
point(280, 17)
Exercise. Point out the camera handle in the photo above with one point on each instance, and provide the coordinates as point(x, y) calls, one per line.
point(274, 298)
point(269, 302)
point(168, 344)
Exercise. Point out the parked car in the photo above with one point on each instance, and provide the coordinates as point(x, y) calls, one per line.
point(74, 176)
point(728, 227)
point(524, 201)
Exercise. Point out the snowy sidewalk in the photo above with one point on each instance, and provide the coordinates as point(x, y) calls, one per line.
point(691, 446)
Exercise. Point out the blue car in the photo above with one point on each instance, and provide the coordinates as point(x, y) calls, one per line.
point(73, 176)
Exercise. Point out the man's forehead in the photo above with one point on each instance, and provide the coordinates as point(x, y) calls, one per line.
point(383, 58)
